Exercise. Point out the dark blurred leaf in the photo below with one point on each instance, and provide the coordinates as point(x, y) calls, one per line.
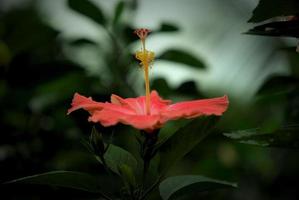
point(60, 89)
point(164, 88)
point(96, 142)
point(128, 175)
point(129, 34)
point(118, 11)
point(87, 8)
point(183, 57)
point(292, 111)
point(277, 84)
point(5, 54)
point(293, 59)
point(189, 88)
point(23, 73)
point(183, 141)
point(174, 187)
point(115, 157)
point(280, 28)
point(82, 41)
point(166, 27)
point(66, 179)
point(40, 38)
point(286, 137)
point(272, 8)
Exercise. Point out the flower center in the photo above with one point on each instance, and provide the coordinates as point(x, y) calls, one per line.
point(146, 57)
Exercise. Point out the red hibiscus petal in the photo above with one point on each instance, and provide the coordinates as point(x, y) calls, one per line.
point(138, 104)
point(196, 108)
point(157, 103)
point(88, 104)
point(91, 106)
point(109, 117)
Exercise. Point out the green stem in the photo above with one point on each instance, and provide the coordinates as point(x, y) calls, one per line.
point(147, 153)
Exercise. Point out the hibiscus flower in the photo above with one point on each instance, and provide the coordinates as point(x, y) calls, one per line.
point(149, 112)
point(132, 111)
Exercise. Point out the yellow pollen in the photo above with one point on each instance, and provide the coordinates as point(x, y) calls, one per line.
point(146, 57)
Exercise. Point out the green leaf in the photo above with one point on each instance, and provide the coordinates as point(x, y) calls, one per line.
point(97, 142)
point(183, 57)
point(286, 137)
point(87, 8)
point(128, 176)
point(176, 186)
point(82, 42)
point(267, 9)
point(118, 11)
point(189, 88)
point(277, 29)
point(167, 27)
point(5, 54)
point(66, 179)
point(115, 157)
point(278, 84)
point(183, 141)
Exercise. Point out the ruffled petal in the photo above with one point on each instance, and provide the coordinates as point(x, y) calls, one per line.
point(157, 103)
point(88, 104)
point(91, 106)
point(138, 104)
point(109, 117)
point(196, 108)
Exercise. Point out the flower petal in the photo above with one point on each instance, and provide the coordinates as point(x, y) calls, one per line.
point(88, 104)
point(196, 108)
point(91, 106)
point(138, 104)
point(111, 117)
point(157, 103)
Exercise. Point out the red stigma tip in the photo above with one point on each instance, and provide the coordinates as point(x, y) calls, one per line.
point(142, 33)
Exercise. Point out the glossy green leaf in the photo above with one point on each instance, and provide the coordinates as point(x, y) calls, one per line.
point(272, 8)
point(115, 157)
point(174, 187)
point(182, 57)
point(87, 8)
point(66, 179)
point(183, 141)
point(286, 137)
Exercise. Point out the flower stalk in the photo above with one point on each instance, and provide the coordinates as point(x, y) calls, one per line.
point(147, 153)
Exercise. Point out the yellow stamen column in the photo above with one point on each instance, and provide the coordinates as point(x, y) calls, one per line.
point(146, 57)
point(146, 80)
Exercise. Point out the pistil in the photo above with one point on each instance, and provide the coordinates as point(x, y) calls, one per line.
point(146, 57)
